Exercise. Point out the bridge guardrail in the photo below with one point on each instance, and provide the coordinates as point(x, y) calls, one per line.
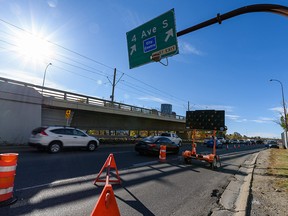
point(75, 97)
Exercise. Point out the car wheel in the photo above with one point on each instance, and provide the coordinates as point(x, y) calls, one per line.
point(91, 146)
point(55, 147)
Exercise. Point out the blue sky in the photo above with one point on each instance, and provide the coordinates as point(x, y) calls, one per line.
point(223, 67)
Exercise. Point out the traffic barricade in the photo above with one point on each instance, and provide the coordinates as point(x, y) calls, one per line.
point(106, 204)
point(162, 153)
point(8, 163)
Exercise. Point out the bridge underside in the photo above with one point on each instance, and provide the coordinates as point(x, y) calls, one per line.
point(89, 120)
point(104, 121)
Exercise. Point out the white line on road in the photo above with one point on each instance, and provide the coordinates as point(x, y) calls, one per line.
point(59, 182)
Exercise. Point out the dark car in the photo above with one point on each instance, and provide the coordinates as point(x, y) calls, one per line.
point(151, 145)
point(259, 141)
point(210, 144)
point(271, 144)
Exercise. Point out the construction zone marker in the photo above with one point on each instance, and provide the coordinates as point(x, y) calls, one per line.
point(106, 204)
point(8, 163)
point(162, 153)
point(110, 163)
point(213, 159)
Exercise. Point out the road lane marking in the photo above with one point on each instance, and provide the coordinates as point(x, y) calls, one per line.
point(59, 182)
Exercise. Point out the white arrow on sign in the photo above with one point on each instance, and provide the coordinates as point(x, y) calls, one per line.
point(133, 49)
point(169, 34)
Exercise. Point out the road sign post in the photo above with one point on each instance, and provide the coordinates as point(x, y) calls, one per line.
point(155, 37)
point(67, 116)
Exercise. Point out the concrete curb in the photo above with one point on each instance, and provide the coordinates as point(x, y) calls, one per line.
point(234, 199)
point(242, 201)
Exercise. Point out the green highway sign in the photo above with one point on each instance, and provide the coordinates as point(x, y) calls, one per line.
point(158, 36)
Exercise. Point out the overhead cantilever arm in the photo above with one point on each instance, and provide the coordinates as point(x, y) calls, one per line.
point(272, 8)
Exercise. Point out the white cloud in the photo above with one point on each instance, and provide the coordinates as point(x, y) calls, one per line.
point(187, 48)
point(241, 120)
point(52, 3)
point(154, 99)
point(232, 117)
point(263, 120)
point(277, 109)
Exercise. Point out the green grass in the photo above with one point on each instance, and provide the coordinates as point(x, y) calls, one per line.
point(279, 168)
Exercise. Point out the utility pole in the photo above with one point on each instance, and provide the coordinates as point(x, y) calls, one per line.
point(188, 106)
point(114, 83)
point(113, 86)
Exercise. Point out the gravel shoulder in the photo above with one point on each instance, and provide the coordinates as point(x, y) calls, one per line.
point(265, 197)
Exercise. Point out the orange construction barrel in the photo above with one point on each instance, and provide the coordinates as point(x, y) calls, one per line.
point(162, 153)
point(8, 163)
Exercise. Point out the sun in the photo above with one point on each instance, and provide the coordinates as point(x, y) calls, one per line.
point(33, 48)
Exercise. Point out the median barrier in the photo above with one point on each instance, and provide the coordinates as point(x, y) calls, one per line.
point(8, 163)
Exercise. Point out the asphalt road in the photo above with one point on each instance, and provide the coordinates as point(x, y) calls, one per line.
point(62, 184)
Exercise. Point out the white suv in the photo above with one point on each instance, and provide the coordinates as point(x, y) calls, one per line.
point(55, 138)
point(173, 137)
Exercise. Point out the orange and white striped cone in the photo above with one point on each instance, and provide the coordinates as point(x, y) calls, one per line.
point(162, 153)
point(8, 163)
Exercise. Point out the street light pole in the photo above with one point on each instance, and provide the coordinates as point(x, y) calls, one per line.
point(45, 76)
point(284, 107)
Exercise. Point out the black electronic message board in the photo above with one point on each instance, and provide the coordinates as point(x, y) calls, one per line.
point(206, 119)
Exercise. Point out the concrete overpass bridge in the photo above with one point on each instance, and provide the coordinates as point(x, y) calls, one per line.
point(24, 106)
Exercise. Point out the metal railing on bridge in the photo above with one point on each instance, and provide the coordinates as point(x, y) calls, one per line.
point(74, 97)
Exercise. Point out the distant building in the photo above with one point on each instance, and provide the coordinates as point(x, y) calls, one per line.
point(166, 109)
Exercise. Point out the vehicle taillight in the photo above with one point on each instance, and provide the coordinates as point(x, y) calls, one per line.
point(43, 133)
point(152, 145)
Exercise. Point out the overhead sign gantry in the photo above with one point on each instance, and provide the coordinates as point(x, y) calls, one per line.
point(157, 38)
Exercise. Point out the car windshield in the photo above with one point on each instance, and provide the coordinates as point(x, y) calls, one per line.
point(150, 139)
point(165, 134)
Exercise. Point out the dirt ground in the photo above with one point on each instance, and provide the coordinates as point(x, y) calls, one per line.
point(266, 198)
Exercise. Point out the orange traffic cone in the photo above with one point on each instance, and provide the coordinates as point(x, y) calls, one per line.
point(110, 163)
point(106, 204)
point(162, 153)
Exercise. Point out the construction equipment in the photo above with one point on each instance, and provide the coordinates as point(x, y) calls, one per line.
point(213, 159)
point(204, 120)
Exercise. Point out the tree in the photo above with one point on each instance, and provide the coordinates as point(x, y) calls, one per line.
point(281, 121)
